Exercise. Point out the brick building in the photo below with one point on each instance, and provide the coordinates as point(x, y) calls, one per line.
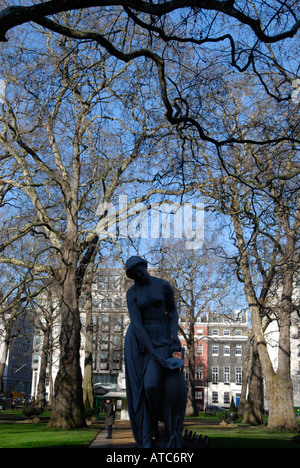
point(220, 342)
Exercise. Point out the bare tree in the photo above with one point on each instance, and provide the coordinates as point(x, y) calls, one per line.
point(256, 188)
point(70, 165)
point(265, 220)
point(201, 282)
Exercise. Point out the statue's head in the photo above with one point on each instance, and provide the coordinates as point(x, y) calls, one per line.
point(135, 265)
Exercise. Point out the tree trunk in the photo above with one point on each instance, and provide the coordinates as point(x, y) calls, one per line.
point(88, 397)
point(281, 401)
point(278, 386)
point(254, 402)
point(246, 375)
point(68, 409)
point(282, 414)
point(50, 374)
point(191, 406)
point(41, 388)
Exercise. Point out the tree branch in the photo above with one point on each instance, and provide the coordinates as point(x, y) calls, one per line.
point(16, 15)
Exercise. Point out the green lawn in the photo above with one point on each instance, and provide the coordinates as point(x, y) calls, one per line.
point(15, 434)
point(20, 435)
point(241, 436)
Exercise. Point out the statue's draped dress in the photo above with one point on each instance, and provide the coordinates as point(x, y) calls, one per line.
point(144, 375)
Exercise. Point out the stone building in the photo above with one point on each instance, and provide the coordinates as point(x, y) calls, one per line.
point(110, 321)
point(17, 372)
point(227, 339)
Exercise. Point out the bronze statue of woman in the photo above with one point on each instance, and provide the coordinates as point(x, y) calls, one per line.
point(151, 340)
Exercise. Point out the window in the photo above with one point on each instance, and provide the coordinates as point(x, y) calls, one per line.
point(238, 332)
point(186, 372)
point(215, 375)
point(199, 396)
point(94, 341)
point(95, 320)
point(106, 304)
point(226, 332)
point(35, 358)
point(104, 343)
point(226, 350)
point(215, 397)
point(96, 301)
point(103, 281)
point(117, 361)
point(226, 398)
point(215, 350)
point(215, 332)
point(199, 350)
point(117, 303)
point(110, 380)
point(104, 361)
point(199, 373)
point(238, 375)
point(118, 323)
point(114, 282)
point(238, 350)
point(226, 374)
point(104, 322)
point(116, 341)
point(36, 340)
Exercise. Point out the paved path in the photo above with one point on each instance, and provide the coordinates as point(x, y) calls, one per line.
point(122, 437)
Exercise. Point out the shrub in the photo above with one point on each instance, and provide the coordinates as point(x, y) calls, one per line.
point(232, 408)
point(31, 411)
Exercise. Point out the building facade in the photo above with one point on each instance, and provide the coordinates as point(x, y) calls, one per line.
point(201, 354)
point(272, 338)
point(17, 375)
point(110, 322)
point(219, 345)
point(227, 341)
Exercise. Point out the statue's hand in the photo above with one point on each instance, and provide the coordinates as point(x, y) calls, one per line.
point(174, 363)
point(160, 360)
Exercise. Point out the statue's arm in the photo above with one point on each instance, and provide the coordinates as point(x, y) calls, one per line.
point(173, 317)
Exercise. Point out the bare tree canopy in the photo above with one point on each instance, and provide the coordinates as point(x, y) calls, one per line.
point(241, 32)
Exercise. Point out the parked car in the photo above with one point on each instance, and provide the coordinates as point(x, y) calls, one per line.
point(213, 409)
